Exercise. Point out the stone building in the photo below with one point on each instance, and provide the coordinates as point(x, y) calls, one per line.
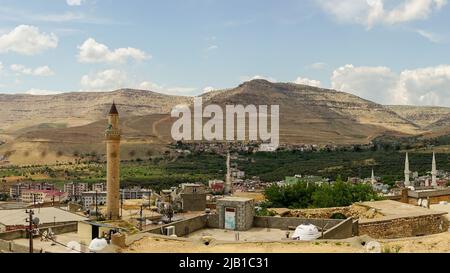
point(193, 197)
point(236, 213)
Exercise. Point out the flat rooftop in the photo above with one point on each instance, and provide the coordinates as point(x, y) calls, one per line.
point(394, 210)
point(12, 205)
point(252, 235)
point(49, 246)
point(423, 193)
point(442, 207)
point(235, 199)
point(16, 217)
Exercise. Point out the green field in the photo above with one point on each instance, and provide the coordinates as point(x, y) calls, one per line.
point(166, 172)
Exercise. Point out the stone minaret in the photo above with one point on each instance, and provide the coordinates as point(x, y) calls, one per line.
point(373, 179)
point(228, 182)
point(433, 172)
point(112, 137)
point(407, 172)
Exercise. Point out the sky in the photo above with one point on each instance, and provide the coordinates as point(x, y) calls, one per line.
point(387, 51)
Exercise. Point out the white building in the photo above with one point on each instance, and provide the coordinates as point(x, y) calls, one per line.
point(91, 198)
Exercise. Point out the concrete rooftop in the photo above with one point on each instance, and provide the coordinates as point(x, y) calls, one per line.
point(394, 210)
point(16, 217)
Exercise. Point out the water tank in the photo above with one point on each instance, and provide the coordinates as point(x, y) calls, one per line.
point(306, 232)
point(97, 245)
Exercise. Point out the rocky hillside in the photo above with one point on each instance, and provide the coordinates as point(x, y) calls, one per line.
point(429, 118)
point(310, 115)
point(56, 127)
point(19, 113)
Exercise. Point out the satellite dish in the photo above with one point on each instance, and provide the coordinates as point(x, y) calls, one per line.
point(97, 245)
point(74, 247)
point(36, 221)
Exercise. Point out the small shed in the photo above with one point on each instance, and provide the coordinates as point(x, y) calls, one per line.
point(236, 213)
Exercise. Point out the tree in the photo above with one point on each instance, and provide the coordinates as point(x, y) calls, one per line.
point(308, 195)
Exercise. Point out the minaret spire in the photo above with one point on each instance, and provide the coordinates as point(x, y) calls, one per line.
point(373, 179)
point(433, 172)
point(228, 182)
point(112, 137)
point(407, 171)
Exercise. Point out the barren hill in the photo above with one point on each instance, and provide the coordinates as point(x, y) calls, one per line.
point(19, 112)
point(48, 128)
point(314, 115)
point(427, 117)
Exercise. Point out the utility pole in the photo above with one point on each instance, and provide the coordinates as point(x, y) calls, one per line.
point(96, 205)
point(121, 205)
point(30, 227)
point(140, 219)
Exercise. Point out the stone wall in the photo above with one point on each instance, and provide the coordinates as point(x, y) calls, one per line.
point(327, 213)
point(184, 227)
point(286, 222)
point(343, 230)
point(404, 227)
point(193, 201)
point(213, 221)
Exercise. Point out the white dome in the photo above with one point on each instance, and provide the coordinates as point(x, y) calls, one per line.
point(306, 233)
point(98, 245)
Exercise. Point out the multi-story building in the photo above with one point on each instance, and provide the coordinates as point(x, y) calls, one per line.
point(193, 197)
point(91, 198)
point(15, 191)
point(98, 187)
point(135, 193)
point(42, 196)
point(74, 190)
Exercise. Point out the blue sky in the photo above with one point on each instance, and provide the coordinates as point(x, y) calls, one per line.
point(389, 51)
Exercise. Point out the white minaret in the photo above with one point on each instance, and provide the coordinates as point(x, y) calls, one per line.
point(228, 182)
point(407, 172)
point(372, 179)
point(433, 172)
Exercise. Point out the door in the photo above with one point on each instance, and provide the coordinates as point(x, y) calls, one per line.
point(95, 231)
point(230, 218)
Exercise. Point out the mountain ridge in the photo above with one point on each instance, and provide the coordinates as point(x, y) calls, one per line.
point(60, 124)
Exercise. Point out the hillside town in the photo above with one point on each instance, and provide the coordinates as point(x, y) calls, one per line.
point(107, 217)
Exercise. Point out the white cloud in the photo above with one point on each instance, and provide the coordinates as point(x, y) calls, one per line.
point(41, 92)
point(423, 86)
point(257, 77)
point(212, 47)
point(430, 36)
point(179, 91)
point(1, 67)
point(74, 2)
point(93, 52)
point(104, 80)
point(43, 71)
point(27, 40)
point(372, 12)
point(318, 66)
point(426, 86)
point(372, 83)
point(309, 82)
